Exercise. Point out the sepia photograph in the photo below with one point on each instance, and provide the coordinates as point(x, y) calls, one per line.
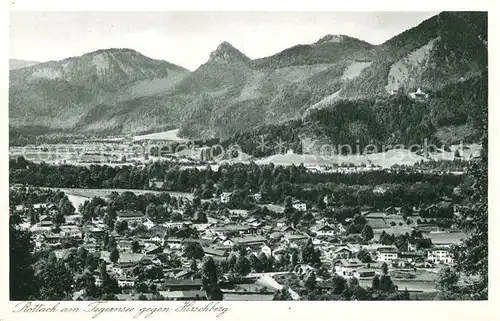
point(247, 156)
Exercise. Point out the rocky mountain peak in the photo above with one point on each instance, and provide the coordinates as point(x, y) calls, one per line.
point(226, 53)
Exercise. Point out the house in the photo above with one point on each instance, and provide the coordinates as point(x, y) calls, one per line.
point(201, 226)
point(228, 230)
point(130, 216)
point(294, 237)
point(302, 269)
point(124, 246)
point(344, 267)
point(117, 270)
point(195, 295)
point(266, 250)
point(299, 206)
point(313, 168)
point(387, 254)
point(281, 222)
point(184, 274)
point(130, 259)
point(156, 183)
point(95, 232)
point(440, 255)
point(148, 223)
point(215, 253)
point(225, 197)
point(412, 245)
point(324, 230)
point(153, 249)
point(419, 94)
point(126, 282)
point(286, 229)
point(51, 238)
point(364, 273)
point(183, 285)
point(343, 252)
point(412, 257)
point(246, 241)
point(174, 243)
point(400, 263)
point(98, 280)
point(70, 231)
point(45, 220)
point(177, 224)
point(134, 296)
point(391, 210)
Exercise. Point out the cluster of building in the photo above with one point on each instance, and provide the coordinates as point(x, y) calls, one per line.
point(223, 236)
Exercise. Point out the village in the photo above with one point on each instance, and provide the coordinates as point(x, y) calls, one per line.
point(184, 248)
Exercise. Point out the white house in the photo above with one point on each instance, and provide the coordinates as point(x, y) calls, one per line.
point(70, 231)
point(148, 223)
point(300, 206)
point(387, 255)
point(257, 197)
point(346, 267)
point(325, 230)
point(176, 224)
point(225, 197)
point(117, 270)
point(440, 255)
point(156, 183)
point(419, 94)
point(45, 220)
point(126, 282)
point(266, 250)
point(313, 168)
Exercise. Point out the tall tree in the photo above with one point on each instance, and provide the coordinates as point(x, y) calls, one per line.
point(135, 247)
point(114, 255)
point(194, 250)
point(56, 281)
point(243, 266)
point(23, 283)
point(471, 256)
point(367, 232)
point(310, 282)
point(282, 295)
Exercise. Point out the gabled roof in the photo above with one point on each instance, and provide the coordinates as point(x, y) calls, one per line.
point(248, 239)
point(212, 251)
point(45, 218)
point(230, 227)
point(130, 257)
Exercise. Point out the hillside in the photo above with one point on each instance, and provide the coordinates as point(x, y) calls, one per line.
point(119, 91)
point(70, 94)
point(379, 122)
point(18, 63)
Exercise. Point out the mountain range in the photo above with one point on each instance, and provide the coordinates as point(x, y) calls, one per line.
point(121, 91)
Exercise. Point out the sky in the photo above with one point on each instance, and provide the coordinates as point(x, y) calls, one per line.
point(188, 38)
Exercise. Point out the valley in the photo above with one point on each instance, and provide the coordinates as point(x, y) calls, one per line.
point(330, 170)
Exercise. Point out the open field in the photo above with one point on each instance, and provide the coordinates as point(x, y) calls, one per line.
point(170, 135)
point(90, 192)
point(385, 160)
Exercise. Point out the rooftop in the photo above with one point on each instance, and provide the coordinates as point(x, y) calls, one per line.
point(180, 282)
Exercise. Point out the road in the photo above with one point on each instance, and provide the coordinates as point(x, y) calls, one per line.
point(268, 280)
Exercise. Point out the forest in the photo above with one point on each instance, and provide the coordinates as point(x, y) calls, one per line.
point(377, 189)
point(379, 121)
